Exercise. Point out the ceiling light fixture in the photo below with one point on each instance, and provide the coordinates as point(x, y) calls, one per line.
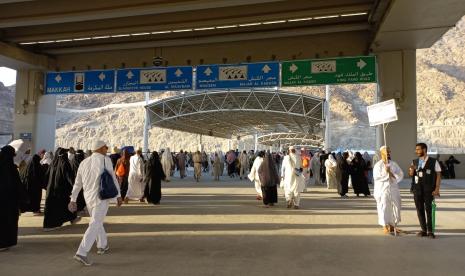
point(300, 19)
point(354, 14)
point(204, 29)
point(327, 16)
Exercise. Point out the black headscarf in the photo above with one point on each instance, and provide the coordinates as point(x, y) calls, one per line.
point(61, 177)
point(33, 173)
point(154, 166)
point(267, 172)
point(78, 157)
point(10, 183)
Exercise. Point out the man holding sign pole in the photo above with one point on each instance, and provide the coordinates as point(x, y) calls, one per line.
point(387, 174)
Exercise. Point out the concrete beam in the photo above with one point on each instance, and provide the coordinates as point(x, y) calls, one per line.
point(16, 58)
point(416, 24)
point(213, 39)
point(40, 14)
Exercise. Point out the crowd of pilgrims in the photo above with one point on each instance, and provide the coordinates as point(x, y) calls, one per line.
point(140, 176)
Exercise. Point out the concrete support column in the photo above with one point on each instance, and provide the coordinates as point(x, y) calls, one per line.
point(145, 145)
point(327, 119)
point(397, 79)
point(256, 142)
point(35, 113)
point(200, 146)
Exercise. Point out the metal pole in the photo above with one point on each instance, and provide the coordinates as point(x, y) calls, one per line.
point(146, 124)
point(200, 143)
point(327, 119)
point(256, 142)
point(379, 129)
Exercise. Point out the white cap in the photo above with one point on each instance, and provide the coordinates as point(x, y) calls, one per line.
point(291, 148)
point(98, 144)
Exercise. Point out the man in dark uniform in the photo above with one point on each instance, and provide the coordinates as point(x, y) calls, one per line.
point(426, 180)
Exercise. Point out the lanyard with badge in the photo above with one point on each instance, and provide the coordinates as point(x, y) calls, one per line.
point(419, 170)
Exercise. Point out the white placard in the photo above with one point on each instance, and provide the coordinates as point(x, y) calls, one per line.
point(382, 113)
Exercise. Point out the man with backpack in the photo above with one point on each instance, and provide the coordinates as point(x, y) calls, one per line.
point(95, 175)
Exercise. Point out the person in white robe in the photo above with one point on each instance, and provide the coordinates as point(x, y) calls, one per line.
point(253, 175)
point(136, 184)
point(167, 163)
point(315, 166)
point(244, 164)
point(349, 160)
point(387, 175)
point(292, 179)
point(331, 167)
point(88, 179)
point(221, 156)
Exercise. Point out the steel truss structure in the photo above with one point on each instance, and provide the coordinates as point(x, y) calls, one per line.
point(235, 113)
point(291, 139)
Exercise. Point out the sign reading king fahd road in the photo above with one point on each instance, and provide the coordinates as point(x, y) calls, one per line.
point(345, 70)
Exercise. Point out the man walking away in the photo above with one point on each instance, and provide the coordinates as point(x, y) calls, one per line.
point(244, 162)
point(450, 166)
point(197, 158)
point(88, 178)
point(291, 175)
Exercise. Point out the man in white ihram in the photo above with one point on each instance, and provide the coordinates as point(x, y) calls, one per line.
point(88, 178)
point(292, 179)
point(387, 175)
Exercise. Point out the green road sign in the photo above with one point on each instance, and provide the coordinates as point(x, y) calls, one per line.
point(329, 71)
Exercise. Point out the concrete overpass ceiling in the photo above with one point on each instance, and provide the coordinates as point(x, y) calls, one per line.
point(96, 25)
point(416, 24)
point(68, 30)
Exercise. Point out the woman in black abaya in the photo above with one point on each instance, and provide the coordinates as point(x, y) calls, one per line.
point(269, 180)
point(60, 185)
point(78, 157)
point(33, 181)
point(359, 180)
point(153, 176)
point(10, 186)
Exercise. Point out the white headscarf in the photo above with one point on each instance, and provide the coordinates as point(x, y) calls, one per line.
point(331, 161)
point(166, 153)
point(47, 159)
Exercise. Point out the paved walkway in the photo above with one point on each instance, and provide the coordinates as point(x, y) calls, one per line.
point(218, 228)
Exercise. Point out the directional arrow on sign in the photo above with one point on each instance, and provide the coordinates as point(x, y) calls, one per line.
point(178, 73)
point(361, 64)
point(208, 71)
point(129, 75)
point(101, 76)
point(266, 69)
point(293, 68)
point(58, 78)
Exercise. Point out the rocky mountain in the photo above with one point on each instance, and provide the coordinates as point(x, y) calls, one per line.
point(440, 87)
point(7, 101)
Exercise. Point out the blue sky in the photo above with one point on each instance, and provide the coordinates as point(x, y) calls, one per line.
point(7, 76)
